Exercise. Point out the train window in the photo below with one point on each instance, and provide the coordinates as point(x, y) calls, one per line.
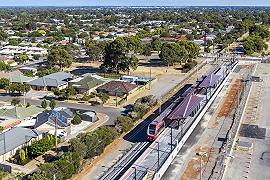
point(152, 129)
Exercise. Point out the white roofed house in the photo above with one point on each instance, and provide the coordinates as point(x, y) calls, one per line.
point(17, 50)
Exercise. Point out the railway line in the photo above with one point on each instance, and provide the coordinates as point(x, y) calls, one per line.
point(117, 171)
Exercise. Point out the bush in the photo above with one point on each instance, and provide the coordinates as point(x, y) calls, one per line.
point(44, 104)
point(38, 148)
point(64, 168)
point(15, 101)
point(150, 100)
point(103, 97)
point(76, 120)
point(188, 66)
point(124, 123)
point(88, 97)
point(140, 109)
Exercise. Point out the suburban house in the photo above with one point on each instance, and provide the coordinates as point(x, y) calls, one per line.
point(61, 118)
point(18, 77)
point(11, 116)
point(17, 50)
point(15, 139)
point(55, 80)
point(117, 88)
point(86, 85)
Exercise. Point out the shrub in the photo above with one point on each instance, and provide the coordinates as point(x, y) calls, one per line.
point(38, 148)
point(76, 120)
point(15, 101)
point(44, 104)
point(124, 123)
point(103, 97)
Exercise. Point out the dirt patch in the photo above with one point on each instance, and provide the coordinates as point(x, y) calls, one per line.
point(231, 99)
point(193, 169)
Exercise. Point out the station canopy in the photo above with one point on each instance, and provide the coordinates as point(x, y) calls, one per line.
point(185, 108)
point(209, 81)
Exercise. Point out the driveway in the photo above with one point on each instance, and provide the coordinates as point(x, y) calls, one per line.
point(111, 112)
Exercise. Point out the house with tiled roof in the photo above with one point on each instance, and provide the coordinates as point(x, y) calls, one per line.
point(55, 80)
point(15, 139)
point(85, 85)
point(117, 88)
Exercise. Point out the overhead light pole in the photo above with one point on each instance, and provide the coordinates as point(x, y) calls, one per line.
point(201, 155)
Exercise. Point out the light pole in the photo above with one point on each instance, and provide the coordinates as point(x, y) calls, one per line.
point(158, 153)
point(201, 155)
point(171, 139)
point(135, 172)
point(160, 105)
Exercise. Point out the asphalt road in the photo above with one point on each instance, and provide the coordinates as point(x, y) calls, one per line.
point(111, 112)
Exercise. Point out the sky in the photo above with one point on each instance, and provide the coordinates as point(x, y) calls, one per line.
point(135, 3)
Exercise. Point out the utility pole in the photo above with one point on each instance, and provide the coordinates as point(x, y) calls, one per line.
point(150, 74)
point(135, 172)
point(160, 105)
point(158, 153)
point(171, 139)
point(55, 131)
point(201, 155)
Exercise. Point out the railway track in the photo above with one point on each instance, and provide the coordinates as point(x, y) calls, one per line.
point(118, 169)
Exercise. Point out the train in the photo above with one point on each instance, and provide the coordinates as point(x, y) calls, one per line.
point(156, 127)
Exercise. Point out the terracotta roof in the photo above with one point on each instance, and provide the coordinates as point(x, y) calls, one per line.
point(118, 86)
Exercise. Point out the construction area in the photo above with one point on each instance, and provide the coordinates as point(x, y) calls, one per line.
point(213, 136)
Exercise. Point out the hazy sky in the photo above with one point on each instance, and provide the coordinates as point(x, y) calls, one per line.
point(134, 2)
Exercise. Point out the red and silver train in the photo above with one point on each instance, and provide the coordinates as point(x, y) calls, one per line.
point(159, 124)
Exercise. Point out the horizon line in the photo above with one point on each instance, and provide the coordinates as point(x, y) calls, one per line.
point(135, 6)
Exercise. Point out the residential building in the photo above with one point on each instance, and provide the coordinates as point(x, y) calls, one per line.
point(55, 80)
point(86, 85)
point(15, 139)
point(117, 88)
point(17, 50)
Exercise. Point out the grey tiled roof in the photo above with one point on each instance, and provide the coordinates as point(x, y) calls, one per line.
point(52, 80)
point(15, 137)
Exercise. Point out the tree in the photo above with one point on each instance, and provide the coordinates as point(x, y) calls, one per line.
point(13, 42)
point(52, 104)
point(95, 50)
point(77, 146)
point(115, 57)
point(3, 35)
point(44, 104)
point(60, 57)
point(28, 104)
point(4, 82)
point(4, 66)
point(2, 128)
point(23, 58)
point(124, 123)
point(76, 120)
point(156, 44)
point(147, 50)
point(168, 54)
point(192, 49)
